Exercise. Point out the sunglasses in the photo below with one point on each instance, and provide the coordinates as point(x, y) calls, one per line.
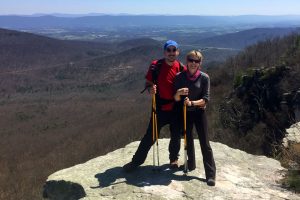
point(192, 60)
point(171, 50)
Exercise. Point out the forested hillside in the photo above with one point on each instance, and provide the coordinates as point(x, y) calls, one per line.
point(264, 82)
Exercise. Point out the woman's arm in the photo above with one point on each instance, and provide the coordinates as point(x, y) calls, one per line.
point(206, 89)
point(200, 103)
point(204, 100)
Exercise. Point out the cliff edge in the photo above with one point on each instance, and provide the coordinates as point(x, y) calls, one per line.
point(239, 176)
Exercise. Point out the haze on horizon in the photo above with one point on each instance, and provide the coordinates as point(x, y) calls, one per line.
point(166, 7)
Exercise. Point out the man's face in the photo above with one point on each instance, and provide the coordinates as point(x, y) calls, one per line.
point(171, 53)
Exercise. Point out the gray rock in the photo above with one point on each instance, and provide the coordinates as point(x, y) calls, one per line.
point(292, 136)
point(239, 176)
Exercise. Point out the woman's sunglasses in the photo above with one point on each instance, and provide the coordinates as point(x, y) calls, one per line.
point(192, 60)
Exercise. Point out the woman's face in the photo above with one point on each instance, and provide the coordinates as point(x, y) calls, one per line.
point(193, 64)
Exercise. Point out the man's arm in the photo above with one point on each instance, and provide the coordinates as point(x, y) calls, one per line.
point(151, 87)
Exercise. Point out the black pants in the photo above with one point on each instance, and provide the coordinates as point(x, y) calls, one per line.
point(163, 118)
point(198, 118)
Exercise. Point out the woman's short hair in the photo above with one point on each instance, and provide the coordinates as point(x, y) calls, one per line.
point(195, 53)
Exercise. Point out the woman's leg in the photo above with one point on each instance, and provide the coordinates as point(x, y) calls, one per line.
point(207, 153)
point(190, 141)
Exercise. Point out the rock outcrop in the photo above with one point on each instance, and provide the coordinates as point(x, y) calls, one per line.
point(259, 109)
point(292, 136)
point(239, 176)
point(291, 150)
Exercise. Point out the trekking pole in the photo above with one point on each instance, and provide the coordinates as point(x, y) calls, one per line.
point(156, 132)
point(185, 141)
point(153, 127)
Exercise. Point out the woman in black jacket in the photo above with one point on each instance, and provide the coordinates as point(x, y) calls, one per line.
point(192, 88)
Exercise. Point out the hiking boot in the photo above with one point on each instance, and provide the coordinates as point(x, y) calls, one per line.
point(190, 168)
point(129, 167)
point(211, 182)
point(173, 164)
point(190, 164)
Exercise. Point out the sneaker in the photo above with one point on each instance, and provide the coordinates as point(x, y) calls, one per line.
point(211, 182)
point(174, 164)
point(129, 167)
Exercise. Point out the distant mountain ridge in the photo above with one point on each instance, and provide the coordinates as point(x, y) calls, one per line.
point(28, 49)
point(38, 57)
point(48, 21)
point(241, 39)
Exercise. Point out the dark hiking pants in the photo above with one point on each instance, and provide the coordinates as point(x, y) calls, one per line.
point(163, 118)
point(198, 117)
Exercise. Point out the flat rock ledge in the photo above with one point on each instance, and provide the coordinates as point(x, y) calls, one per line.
point(239, 176)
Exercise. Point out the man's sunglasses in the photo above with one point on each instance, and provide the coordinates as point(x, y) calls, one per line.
point(192, 60)
point(171, 50)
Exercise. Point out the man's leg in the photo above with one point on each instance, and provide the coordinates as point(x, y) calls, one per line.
point(207, 153)
point(144, 146)
point(146, 142)
point(176, 128)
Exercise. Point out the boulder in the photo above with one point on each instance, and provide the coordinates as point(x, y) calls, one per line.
point(239, 176)
point(292, 136)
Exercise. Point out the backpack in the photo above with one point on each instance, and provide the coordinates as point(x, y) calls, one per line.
point(155, 68)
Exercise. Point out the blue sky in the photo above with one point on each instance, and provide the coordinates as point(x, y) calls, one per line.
point(175, 7)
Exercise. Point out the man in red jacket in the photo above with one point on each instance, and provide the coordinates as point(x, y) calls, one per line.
point(160, 79)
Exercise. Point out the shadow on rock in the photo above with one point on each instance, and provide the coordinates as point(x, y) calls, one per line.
point(142, 176)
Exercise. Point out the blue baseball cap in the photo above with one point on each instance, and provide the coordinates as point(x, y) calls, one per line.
point(170, 43)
